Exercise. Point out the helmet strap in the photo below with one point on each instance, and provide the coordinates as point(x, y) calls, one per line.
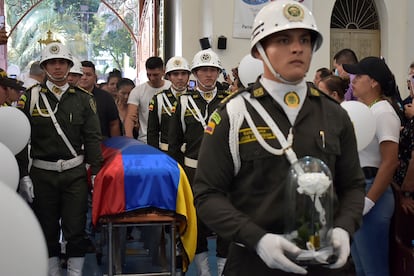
point(57, 79)
point(266, 60)
point(178, 89)
point(200, 84)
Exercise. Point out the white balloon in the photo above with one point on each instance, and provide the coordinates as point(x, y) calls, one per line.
point(15, 128)
point(9, 170)
point(249, 69)
point(363, 120)
point(23, 248)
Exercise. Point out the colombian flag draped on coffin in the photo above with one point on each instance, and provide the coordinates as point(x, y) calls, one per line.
point(137, 176)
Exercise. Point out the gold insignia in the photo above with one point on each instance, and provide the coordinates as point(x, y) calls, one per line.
point(92, 103)
point(294, 13)
point(314, 92)
point(54, 49)
point(56, 90)
point(215, 117)
point(247, 135)
point(206, 57)
point(258, 92)
point(151, 107)
point(177, 63)
point(208, 95)
point(291, 99)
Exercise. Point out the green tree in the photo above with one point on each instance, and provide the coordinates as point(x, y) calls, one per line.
point(111, 37)
point(72, 25)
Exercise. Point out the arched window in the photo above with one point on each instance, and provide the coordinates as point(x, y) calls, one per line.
point(355, 25)
point(354, 14)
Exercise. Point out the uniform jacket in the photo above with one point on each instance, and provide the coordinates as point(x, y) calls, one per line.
point(245, 206)
point(158, 129)
point(76, 114)
point(193, 133)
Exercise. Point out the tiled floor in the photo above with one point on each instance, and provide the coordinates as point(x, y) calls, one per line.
point(137, 260)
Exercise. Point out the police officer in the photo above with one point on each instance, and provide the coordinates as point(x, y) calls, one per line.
point(163, 103)
point(65, 135)
point(186, 130)
point(75, 72)
point(243, 165)
point(10, 89)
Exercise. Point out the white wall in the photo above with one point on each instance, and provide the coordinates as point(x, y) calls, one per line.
point(396, 23)
point(219, 21)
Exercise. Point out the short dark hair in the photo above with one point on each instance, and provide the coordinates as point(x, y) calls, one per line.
point(154, 63)
point(345, 56)
point(87, 63)
point(324, 72)
point(115, 73)
point(124, 82)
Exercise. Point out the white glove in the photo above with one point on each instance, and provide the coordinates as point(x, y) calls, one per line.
point(26, 188)
point(93, 181)
point(368, 204)
point(340, 243)
point(272, 248)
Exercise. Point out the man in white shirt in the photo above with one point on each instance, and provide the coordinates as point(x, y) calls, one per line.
point(141, 95)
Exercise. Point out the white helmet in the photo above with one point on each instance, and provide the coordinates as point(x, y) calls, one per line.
point(77, 67)
point(206, 58)
point(283, 15)
point(177, 63)
point(55, 50)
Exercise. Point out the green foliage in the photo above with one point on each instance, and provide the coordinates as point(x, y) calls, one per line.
point(82, 32)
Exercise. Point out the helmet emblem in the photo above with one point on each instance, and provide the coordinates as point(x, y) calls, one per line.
point(177, 63)
point(54, 49)
point(294, 13)
point(206, 57)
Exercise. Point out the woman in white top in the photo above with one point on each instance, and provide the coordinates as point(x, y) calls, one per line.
point(374, 85)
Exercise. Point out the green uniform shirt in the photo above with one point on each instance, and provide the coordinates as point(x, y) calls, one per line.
point(193, 134)
point(76, 115)
point(242, 207)
point(157, 130)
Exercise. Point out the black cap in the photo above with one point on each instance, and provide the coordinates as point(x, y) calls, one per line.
point(10, 82)
point(374, 67)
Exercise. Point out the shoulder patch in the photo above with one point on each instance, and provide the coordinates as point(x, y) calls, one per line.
point(22, 101)
point(314, 92)
point(151, 104)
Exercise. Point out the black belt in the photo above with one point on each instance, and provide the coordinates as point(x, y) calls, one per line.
point(370, 172)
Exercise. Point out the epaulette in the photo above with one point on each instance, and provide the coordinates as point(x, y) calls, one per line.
point(161, 91)
point(36, 84)
point(318, 93)
point(83, 90)
point(223, 103)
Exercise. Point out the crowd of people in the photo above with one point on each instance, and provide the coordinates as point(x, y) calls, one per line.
point(236, 144)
